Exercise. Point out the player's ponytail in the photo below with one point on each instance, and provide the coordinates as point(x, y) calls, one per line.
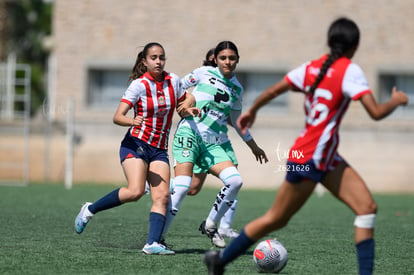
point(139, 67)
point(208, 61)
point(343, 36)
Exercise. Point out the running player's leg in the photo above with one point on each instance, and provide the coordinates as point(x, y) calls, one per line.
point(135, 173)
point(182, 182)
point(232, 180)
point(185, 151)
point(226, 221)
point(159, 179)
point(230, 176)
point(196, 183)
point(289, 199)
point(345, 184)
point(225, 228)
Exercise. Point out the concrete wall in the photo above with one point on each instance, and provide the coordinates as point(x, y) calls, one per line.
point(271, 35)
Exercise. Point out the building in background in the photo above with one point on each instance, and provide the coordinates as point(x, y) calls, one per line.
point(95, 42)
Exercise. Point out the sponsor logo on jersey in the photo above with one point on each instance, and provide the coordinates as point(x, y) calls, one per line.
point(161, 112)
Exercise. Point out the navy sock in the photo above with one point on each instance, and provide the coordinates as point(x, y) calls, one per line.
point(366, 255)
point(109, 201)
point(156, 226)
point(237, 247)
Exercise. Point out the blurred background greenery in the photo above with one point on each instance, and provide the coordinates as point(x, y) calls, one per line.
point(25, 25)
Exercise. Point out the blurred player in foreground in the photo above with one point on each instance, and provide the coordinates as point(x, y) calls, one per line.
point(329, 84)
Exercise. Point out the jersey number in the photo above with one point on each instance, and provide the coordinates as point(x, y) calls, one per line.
point(318, 111)
point(188, 144)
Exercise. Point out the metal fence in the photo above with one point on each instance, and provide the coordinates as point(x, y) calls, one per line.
point(14, 122)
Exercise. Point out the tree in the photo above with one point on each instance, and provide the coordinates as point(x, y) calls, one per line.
point(25, 25)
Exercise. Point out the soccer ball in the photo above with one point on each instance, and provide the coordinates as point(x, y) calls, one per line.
point(270, 256)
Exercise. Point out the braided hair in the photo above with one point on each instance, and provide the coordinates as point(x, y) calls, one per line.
point(343, 36)
point(139, 68)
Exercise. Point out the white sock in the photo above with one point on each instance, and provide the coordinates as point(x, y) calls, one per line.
point(232, 184)
point(181, 186)
point(210, 223)
point(228, 217)
point(88, 213)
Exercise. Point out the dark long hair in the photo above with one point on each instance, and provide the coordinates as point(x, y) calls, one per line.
point(343, 36)
point(139, 67)
point(226, 45)
point(207, 61)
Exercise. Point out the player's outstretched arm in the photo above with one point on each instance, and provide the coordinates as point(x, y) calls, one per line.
point(257, 151)
point(379, 111)
point(246, 119)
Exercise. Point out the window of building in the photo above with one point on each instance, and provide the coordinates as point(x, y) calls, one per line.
point(403, 82)
point(255, 83)
point(105, 87)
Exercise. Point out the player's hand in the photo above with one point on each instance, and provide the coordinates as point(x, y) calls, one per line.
point(188, 102)
point(260, 155)
point(137, 121)
point(400, 96)
point(245, 121)
point(193, 111)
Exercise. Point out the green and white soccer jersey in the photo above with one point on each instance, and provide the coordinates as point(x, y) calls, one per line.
point(216, 96)
point(200, 140)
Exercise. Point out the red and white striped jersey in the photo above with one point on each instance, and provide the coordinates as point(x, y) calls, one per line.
point(156, 102)
point(324, 109)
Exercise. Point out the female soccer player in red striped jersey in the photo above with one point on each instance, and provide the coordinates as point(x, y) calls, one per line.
point(328, 83)
point(153, 94)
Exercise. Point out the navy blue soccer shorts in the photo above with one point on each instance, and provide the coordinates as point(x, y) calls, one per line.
point(296, 172)
point(132, 147)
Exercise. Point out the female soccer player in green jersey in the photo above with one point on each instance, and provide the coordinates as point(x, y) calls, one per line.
point(203, 141)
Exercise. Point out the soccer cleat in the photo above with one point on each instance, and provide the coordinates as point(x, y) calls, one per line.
point(83, 218)
point(157, 249)
point(228, 233)
point(212, 261)
point(168, 246)
point(212, 233)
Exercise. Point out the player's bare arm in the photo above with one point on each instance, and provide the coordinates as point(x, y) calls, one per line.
point(380, 111)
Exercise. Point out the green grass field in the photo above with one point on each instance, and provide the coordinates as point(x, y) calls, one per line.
point(37, 236)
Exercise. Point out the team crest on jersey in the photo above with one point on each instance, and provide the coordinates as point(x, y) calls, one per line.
point(191, 79)
point(186, 153)
point(161, 100)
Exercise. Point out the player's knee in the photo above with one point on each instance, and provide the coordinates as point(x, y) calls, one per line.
point(160, 198)
point(367, 208)
point(372, 207)
point(231, 178)
point(134, 195)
